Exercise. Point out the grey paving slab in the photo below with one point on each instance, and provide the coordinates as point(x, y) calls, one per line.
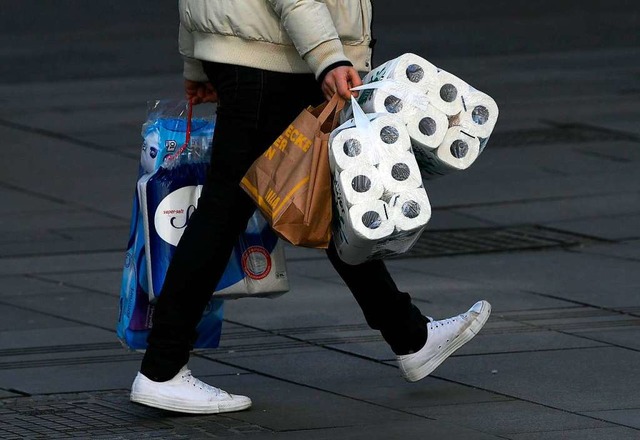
point(559, 210)
point(591, 379)
point(487, 342)
point(360, 379)
point(284, 406)
point(626, 337)
point(512, 417)
point(124, 92)
point(627, 417)
point(16, 203)
point(71, 378)
point(452, 291)
point(518, 163)
point(92, 308)
point(64, 242)
point(445, 219)
point(581, 277)
point(309, 303)
point(281, 406)
point(15, 318)
point(107, 281)
point(409, 431)
point(617, 433)
point(617, 227)
point(447, 193)
point(70, 335)
point(62, 263)
point(76, 119)
point(4, 394)
point(86, 373)
point(62, 221)
point(629, 250)
point(99, 180)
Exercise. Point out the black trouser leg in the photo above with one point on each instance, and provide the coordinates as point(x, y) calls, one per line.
point(385, 308)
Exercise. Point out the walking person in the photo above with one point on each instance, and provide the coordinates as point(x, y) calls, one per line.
point(263, 62)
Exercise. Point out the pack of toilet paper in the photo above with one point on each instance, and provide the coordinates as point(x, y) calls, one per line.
point(381, 206)
point(135, 309)
point(168, 198)
point(449, 122)
point(166, 195)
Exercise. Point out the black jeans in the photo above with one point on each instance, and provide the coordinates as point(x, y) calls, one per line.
point(254, 107)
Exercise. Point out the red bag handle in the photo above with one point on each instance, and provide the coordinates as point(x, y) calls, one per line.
point(187, 139)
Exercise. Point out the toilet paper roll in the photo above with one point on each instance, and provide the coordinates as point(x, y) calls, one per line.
point(360, 184)
point(410, 210)
point(362, 230)
point(399, 173)
point(351, 147)
point(479, 115)
point(446, 94)
point(388, 100)
point(369, 221)
point(391, 135)
point(428, 128)
point(457, 152)
point(409, 69)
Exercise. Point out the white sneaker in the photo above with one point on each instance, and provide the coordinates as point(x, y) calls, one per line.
point(184, 393)
point(443, 338)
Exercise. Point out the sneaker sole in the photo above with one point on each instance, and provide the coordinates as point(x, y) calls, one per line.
point(466, 336)
point(183, 407)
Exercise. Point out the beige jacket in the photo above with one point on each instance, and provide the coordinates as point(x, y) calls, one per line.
point(294, 36)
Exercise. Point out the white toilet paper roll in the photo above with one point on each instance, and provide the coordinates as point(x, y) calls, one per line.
point(399, 173)
point(446, 94)
point(387, 101)
point(360, 184)
point(391, 135)
point(363, 231)
point(369, 221)
point(428, 128)
point(351, 147)
point(457, 152)
point(479, 115)
point(410, 210)
point(408, 68)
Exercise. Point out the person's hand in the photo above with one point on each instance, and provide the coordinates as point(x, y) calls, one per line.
point(199, 92)
point(340, 80)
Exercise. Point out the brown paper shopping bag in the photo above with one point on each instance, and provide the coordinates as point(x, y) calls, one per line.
point(291, 181)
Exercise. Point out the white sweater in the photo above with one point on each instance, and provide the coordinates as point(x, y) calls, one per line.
point(295, 36)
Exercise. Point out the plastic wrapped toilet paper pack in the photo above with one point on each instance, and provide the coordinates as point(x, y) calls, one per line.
point(457, 152)
point(168, 198)
point(363, 228)
point(165, 204)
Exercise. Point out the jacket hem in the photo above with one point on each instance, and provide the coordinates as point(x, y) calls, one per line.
point(265, 55)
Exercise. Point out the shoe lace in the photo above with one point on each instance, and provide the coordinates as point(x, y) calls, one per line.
point(188, 378)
